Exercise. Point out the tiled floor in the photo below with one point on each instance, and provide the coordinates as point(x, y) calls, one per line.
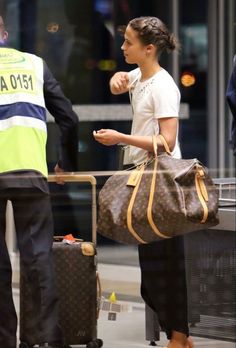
point(128, 331)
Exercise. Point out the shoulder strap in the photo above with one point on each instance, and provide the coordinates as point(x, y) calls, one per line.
point(131, 86)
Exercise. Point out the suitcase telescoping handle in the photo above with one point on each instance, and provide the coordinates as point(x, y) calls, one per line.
point(86, 179)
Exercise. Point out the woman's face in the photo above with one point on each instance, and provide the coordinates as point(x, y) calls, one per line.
point(134, 50)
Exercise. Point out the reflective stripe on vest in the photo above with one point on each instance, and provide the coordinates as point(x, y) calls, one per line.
point(23, 132)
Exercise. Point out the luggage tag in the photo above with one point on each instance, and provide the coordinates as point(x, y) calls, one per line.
point(135, 175)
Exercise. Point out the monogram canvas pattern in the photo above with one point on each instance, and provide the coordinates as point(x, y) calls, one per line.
point(176, 207)
point(76, 286)
point(77, 291)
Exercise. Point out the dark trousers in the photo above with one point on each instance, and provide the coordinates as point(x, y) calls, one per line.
point(152, 325)
point(163, 283)
point(34, 231)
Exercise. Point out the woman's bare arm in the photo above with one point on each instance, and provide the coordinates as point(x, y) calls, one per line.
point(168, 128)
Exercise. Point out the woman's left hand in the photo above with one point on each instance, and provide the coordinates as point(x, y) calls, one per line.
point(107, 136)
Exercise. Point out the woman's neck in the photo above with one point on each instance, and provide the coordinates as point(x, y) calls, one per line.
point(148, 70)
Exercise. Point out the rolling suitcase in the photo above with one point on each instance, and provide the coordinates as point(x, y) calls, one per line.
point(76, 281)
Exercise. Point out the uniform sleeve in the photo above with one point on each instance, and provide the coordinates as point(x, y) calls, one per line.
point(61, 109)
point(231, 92)
point(231, 99)
point(166, 101)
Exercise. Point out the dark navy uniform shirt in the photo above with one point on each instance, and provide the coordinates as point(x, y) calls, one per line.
point(231, 98)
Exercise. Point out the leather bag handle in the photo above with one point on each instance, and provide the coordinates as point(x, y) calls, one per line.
point(163, 141)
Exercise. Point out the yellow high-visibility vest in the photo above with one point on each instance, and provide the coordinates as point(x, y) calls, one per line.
point(23, 131)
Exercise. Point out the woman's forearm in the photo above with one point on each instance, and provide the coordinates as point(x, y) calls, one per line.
point(110, 137)
point(144, 142)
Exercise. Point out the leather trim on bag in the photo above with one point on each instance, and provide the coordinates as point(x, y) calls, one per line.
point(201, 193)
point(130, 208)
point(87, 249)
point(134, 177)
point(150, 203)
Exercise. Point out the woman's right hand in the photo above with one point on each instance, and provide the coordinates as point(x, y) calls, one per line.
point(119, 83)
point(107, 137)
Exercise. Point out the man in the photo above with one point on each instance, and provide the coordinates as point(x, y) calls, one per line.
point(231, 98)
point(27, 88)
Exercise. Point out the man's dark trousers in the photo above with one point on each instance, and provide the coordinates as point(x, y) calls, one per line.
point(34, 231)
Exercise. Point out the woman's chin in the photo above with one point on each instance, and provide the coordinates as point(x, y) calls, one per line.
point(128, 60)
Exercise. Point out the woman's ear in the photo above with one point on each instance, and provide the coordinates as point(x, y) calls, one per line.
point(150, 49)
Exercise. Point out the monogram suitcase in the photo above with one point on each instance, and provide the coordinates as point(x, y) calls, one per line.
point(77, 286)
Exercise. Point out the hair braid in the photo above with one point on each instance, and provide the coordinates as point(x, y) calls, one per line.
point(152, 30)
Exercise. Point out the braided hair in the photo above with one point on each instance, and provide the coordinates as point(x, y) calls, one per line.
point(151, 30)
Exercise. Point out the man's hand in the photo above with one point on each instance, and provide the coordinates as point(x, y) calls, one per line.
point(58, 171)
point(107, 136)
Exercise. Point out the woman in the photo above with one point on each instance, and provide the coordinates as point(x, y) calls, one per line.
point(155, 100)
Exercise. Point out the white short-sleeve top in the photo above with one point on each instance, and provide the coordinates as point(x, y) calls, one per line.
point(155, 98)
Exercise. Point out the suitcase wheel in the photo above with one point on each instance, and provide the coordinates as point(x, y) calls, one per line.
point(95, 343)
